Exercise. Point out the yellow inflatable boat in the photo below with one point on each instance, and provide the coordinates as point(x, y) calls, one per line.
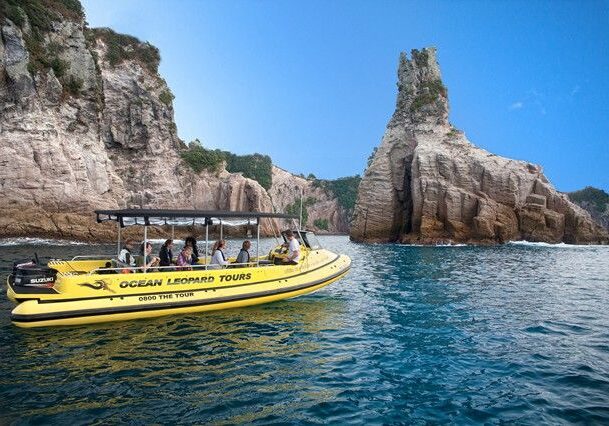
point(100, 288)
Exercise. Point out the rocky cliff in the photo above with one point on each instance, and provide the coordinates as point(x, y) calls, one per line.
point(595, 201)
point(427, 183)
point(87, 122)
point(321, 208)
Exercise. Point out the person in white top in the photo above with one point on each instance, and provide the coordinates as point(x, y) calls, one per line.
point(125, 255)
point(293, 249)
point(218, 259)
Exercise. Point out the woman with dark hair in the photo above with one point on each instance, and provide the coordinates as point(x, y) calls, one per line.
point(190, 241)
point(166, 255)
point(218, 259)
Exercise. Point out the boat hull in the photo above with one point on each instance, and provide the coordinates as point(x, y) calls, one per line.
point(103, 298)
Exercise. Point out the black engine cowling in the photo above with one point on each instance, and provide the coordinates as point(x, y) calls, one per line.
point(29, 274)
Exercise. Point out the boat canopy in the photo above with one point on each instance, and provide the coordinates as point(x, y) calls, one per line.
point(159, 217)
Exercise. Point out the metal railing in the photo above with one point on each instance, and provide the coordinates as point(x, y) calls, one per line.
point(176, 268)
point(92, 257)
point(172, 268)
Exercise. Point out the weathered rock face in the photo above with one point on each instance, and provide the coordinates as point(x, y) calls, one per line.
point(594, 201)
point(427, 183)
point(101, 135)
point(321, 206)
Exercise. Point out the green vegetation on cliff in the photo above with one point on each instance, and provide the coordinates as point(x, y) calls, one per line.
point(123, 47)
point(40, 14)
point(591, 195)
point(428, 94)
point(294, 208)
point(199, 158)
point(371, 157)
point(253, 166)
point(321, 224)
point(166, 97)
point(344, 189)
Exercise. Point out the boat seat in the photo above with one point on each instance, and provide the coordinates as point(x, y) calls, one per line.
point(118, 264)
point(124, 267)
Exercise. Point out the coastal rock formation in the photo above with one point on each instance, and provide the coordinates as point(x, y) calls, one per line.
point(86, 122)
point(427, 183)
point(321, 208)
point(595, 201)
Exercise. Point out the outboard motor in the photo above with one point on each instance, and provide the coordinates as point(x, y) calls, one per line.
point(28, 273)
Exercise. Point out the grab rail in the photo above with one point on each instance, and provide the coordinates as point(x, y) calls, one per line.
point(172, 268)
point(93, 256)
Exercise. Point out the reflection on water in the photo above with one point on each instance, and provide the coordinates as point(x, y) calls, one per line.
point(413, 334)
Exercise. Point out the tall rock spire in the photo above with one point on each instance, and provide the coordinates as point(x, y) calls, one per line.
point(421, 96)
point(427, 183)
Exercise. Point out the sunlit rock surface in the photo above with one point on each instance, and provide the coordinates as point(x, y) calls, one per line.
point(101, 134)
point(427, 183)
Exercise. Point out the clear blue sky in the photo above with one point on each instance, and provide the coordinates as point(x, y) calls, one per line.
point(312, 84)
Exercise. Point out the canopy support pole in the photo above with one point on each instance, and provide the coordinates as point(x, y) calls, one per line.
point(145, 245)
point(206, 241)
point(221, 228)
point(258, 242)
point(298, 232)
point(118, 244)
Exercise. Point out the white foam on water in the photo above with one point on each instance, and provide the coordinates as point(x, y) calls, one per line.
point(29, 241)
point(436, 245)
point(26, 241)
point(557, 245)
point(159, 240)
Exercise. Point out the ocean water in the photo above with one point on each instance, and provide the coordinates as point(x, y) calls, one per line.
point(466, 335)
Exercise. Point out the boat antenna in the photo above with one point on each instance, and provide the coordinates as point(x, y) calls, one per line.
point(300, 218)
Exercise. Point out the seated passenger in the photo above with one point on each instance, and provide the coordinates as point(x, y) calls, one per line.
point(166, 254)
point(126, 256)
point(190, 241)
point(107, 269)
point(149, 261)
point(244, 255)
point(184, 260)
point(218, 259)
point(293, 249)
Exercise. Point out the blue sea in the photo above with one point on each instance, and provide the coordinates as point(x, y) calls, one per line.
point(516, 334)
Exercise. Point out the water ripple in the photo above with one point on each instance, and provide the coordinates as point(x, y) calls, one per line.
point(511, 334)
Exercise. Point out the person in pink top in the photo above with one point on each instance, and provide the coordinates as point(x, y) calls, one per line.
point(184, 259)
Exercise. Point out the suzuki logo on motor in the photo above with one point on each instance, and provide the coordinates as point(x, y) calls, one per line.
point(42, 280)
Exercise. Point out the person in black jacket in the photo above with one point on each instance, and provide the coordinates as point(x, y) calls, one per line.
point(243, 258)
point(190, 241)
point(166, 255)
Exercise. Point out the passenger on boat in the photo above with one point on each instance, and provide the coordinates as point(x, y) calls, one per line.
point(184, 260)
point(293, 249)
point(244, 255)
point(190, 241)
point(218, 259)
point(166, 254)
point(107, 269)
point(125, 255)
point(149, 261)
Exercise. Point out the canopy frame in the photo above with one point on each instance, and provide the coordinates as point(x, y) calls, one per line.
point(161, 217)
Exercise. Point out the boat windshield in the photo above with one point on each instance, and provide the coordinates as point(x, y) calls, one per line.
point(309, 239)
point(312, 241)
